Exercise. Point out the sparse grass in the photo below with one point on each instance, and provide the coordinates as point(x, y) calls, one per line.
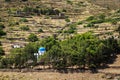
point(50, 76)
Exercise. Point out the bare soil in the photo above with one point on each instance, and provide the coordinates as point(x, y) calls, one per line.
point(49, 76)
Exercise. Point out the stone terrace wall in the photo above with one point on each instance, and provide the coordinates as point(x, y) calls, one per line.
point(112, 4)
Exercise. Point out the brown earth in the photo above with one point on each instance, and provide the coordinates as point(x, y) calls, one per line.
point(49, 76)
point(113, 68)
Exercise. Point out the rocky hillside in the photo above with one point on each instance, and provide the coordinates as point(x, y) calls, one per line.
point(110, 4)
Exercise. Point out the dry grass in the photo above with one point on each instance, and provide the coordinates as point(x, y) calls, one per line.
point(49, 76)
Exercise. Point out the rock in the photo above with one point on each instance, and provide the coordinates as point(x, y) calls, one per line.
point(108, 76)
point(117, 78)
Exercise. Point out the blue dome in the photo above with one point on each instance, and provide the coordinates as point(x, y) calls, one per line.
point(42, 49)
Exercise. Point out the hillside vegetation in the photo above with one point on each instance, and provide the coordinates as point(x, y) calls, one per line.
point(78, 35)
point(74, 32)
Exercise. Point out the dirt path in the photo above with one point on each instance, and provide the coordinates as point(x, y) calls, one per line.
point(49, 76)
point(113, 68)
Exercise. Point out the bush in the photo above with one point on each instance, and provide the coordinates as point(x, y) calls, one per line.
point(49, 11)
point(28, 9)
point(118, 29)
point(15, 61)
point(7, 0)
point(60, 31)
point(70, 31)
point(23, 20)
point(118, 11)
point(19, 58)
point(1, 51)
point(67, 20)
point(13, 23)
point(79, 23)
point(2, 26)
point(64, 10)
point(0, 43)
point(69, 2)
point(72, 28)
point(97, 21)
point(90, 18)
point(101, 16)
point(0, 19)
point(84, 50)
point(32, 38)
point(24, 28)
point(24, 0)
point(114, 22)
point(40, 30)
point(2, 33)
point(89, 25)
point(81, 4)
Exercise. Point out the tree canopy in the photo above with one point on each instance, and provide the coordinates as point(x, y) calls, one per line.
point(85, 50)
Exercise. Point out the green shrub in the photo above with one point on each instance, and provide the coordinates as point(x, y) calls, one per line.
point(0, 20)
point(32, 38)
point(24, 0)
point(49, 11)
point(67, 20)
point(108, 20)
point(89, 25)
point(84, 51)
point(64, 10)
point(14, 61)
point(97, 21)
point(114, 22)
point(90, 18)
point(71, 29)
point(2, 26)
point(23, 20)
point(101, 16)
point(2, 33)
point(69, 2)
point(25, 28)
point(13, 23)
point(0, 43)
point(7, 0)
point(1, 51)
point(81, 4)
point(40, 30)
point(118, 29)
point(118, 11)
point(28, 9)
point(60, 31)
point(79, 23)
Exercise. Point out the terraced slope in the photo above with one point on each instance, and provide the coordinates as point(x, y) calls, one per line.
point(12, 13)
point(111, 4)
